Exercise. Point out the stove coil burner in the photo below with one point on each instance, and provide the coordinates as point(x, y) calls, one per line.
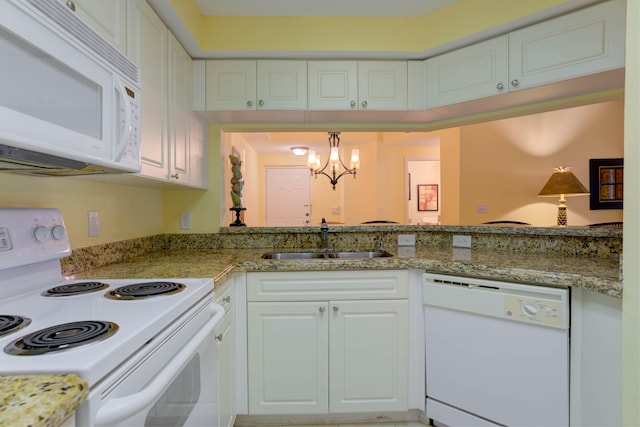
point(62, 337)
point(75, 289)
point(10, 323)
point(145, 290)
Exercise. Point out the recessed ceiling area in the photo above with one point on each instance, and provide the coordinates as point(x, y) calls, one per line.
point(320, 8)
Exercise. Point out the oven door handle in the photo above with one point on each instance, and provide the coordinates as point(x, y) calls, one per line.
point(121, 408)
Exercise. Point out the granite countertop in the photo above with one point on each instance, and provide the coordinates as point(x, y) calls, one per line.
point(40, 400)
point(597, 274)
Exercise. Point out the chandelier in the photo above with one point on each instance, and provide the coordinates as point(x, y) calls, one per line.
point(334, 168)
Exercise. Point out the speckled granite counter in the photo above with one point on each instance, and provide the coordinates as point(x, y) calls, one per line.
point(598, 274)
point(39, 400)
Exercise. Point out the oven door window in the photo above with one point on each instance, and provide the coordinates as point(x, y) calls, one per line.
point(178, 401)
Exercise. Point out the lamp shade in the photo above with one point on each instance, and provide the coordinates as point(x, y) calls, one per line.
point(563, 182)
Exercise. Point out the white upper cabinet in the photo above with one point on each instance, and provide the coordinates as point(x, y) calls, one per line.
point(282, 85)
point(107, 18)
point(255, 85)
point(357, 85)
point(584, 42)
point(382, 85)
point(168, 153)
point(472, 72)
point(230, 84)
point(147, 47)
point(180, 73)
point(333, 85)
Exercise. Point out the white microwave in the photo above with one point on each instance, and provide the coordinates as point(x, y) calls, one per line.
point(69, 101)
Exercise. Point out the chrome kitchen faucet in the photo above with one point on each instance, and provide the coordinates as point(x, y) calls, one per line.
point(324, 228)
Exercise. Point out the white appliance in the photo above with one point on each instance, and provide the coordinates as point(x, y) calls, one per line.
point(69, 101)
point(497, 353)
point(145, 347)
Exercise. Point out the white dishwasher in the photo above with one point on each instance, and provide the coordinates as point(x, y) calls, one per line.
point(497, 353)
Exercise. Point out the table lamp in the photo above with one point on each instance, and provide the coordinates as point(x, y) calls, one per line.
point(563, 183)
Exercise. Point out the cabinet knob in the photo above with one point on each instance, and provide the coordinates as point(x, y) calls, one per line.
point(353, 104)
point(227, 299)
point(321, 309)
point(364, 104)
point(500, 86)
point(175, 176)
point(249, 103)
point(336, 308)
point(71, 5)
point(219, 337)
point(514, 82)
point(261, 102)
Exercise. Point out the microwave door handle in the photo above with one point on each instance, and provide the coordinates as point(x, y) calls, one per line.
point(123, 139)
point(121, 408)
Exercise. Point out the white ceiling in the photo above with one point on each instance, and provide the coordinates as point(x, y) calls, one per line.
point(320, 7)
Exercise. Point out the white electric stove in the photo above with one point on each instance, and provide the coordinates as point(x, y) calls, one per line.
point(105, 331)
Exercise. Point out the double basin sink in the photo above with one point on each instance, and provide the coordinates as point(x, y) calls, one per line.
point(326, 255)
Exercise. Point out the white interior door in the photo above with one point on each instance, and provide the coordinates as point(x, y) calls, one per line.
point(288, 196)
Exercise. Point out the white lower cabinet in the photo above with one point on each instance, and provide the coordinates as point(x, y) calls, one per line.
point(596, 359)
point(330, 342)
point(226, 356)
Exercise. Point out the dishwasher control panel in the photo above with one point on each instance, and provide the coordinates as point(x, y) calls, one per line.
point(533, 310)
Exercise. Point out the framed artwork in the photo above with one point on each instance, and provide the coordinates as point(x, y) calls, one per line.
point(427, 197)
point(606, 183)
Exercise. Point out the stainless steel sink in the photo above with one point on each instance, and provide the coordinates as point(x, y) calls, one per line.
point(326, 255)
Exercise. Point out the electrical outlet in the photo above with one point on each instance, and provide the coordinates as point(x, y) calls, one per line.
point(406, 239)
point(461, 241)
point(185, 220)
point(94, 224)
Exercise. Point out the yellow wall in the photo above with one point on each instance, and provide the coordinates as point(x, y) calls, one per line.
point(206, 210)
point(631, 249)
point(125, 212)
point(340, 34)
point(505, 163)
point(450, 176)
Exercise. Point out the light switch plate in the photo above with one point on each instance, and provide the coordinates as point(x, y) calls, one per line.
point(406, 239)
point(185, 220)
point(94, 224)
point(461, 241)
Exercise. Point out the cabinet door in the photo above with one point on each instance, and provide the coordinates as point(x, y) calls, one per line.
point(147, 47)
point(469, 73)
point(180, 103)
point(282, 85)
point(369, 356)
point(333, 85)
point(225, 369)
point(382, 85)
point(198, 147)
point(230, 84)
point(107, 18)
point(584, 42)
point(287, 357)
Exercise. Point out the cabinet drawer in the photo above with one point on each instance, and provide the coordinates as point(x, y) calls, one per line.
point(321, 286)
point(224, 297)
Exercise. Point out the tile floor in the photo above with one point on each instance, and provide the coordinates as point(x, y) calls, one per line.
point(401, 424)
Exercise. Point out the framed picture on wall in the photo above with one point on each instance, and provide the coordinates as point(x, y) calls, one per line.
point(606, 182)
point(427, 197)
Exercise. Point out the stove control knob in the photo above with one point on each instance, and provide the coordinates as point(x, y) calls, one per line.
point(58, 232)
point(41, 233)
